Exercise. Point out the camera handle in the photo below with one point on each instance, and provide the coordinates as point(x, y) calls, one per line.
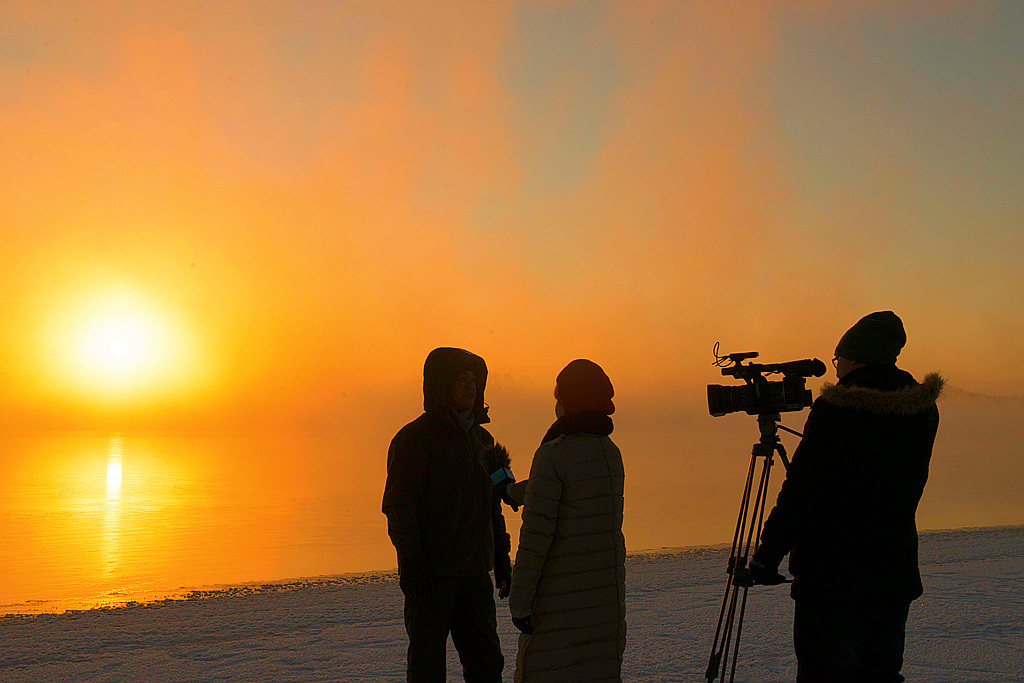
point(745, 538)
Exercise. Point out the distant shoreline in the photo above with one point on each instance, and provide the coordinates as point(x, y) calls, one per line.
point(116, 601)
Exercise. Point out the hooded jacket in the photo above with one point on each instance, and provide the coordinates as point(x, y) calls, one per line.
point(846, 511)
point(438, 498)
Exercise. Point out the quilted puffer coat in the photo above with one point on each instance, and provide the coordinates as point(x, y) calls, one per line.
point(570, 568)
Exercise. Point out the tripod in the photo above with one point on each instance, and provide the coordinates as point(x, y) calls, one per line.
point(743, 540)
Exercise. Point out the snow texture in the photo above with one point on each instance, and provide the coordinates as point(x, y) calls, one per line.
point(969, 625)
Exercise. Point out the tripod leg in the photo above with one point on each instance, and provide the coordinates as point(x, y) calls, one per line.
point(752, 541)
point(725, 617)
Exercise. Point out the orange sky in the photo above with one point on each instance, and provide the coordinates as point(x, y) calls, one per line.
point(308, 201)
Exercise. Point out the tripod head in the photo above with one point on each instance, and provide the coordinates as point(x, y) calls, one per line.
point(768, 424)
point(769, 444)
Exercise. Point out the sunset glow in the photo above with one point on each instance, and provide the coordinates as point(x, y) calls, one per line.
point(257, 218)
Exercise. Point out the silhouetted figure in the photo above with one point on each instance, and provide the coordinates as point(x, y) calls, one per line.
point(446, 524)
point(568, 586)
point(846, 510)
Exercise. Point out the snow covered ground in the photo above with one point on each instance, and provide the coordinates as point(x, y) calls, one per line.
point(969, 626)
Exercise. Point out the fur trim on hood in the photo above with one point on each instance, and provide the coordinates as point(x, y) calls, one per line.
point(910, 400)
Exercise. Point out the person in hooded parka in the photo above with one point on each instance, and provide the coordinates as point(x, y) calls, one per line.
point(568, 584)
point(446, 524)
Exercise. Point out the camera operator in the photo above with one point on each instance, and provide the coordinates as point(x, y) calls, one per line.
point(846, 510)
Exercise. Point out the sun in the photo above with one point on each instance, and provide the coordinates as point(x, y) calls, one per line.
point(122, 344)
point(123, 348)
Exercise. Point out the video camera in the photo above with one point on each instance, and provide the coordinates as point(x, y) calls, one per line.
point(759, 396)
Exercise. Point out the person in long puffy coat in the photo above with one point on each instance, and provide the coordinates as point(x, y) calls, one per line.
point(568, 585)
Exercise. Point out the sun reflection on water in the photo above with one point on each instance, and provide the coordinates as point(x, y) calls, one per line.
point(115, 454)
point(112, 510)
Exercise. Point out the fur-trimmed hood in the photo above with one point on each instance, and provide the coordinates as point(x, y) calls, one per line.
point(910, 400)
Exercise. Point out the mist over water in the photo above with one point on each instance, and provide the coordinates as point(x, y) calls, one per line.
point(99, 518)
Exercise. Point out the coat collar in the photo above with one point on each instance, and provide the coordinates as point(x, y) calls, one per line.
point(910, 400)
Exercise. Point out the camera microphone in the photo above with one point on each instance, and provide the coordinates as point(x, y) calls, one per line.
point(810, 367)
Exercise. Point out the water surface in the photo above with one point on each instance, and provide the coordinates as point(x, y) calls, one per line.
point(89, 519)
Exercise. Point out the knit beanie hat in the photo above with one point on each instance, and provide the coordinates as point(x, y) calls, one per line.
point(582, 387)
point(876, 339)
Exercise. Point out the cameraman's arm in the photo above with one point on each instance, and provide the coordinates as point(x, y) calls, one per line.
point(805, 484)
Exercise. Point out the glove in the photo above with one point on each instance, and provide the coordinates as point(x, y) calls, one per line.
point(502, 490)
point(765, 575)
point(503, 576)
point(524, 624)
point(414, 580)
